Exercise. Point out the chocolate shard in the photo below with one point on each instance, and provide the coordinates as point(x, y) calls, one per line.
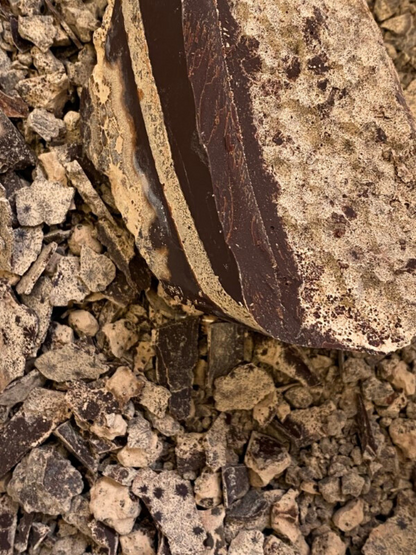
point(266, 459)
point(225, 349)
point(8, 521)
point(13, 106)
point(91, 404)
point(120, 248)
point(286, 359)
point(170, 500)
point(14, 153)
point(18, 332)
point(248, 508)
point(120, 474)
point(45, 482)
point(365, 432)
point(233, 202)
point(235, 483)
point(20, 388)
point(38, 533)
point(42, 411)
point(22, 532)
point(177, 354)
point(76, 445)
point(104, 536)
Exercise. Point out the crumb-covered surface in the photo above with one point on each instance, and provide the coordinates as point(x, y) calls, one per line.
point(130, 425)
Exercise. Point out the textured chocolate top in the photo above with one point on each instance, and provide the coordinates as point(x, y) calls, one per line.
point(262, 154)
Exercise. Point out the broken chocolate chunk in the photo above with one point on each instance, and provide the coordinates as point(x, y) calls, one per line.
point(120, 248)
point(253, 505)
point(170, 500)
point(365, 432)
point(70, 362)
point(22, 532)
point(177, 354)
point(13, 106)
point(266, 459)
point(120, 474)
point(286, 359)
point(76, 445)
point(235, 483)
point(18, 332)
point(190, 455)
point(38, 533)
point(104, 536)
point(45, 482)
point(42, 411)
point(14, 153)
point(8, 521)
point(20, 388)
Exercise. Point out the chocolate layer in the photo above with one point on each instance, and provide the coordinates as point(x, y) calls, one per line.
point(162, 21)
point(269, 288)
point(163, 232)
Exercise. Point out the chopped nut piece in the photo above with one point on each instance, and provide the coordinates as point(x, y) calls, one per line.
point(143, 446)
point(403, 434)
point(43, 202)
point(350, 515)
point(70, 362)
point(38, 29)
point(121, 336)
point(83, 322)
point(40, 414)
point(113, 505)
point(266, 459)
point(242, 388)
point(96, 271)
point(328, 543)
point(207, 490)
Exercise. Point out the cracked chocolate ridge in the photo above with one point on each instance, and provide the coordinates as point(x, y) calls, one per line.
point(162, 20)
point(161, 236)
point(172, 231)
point(227, 132)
